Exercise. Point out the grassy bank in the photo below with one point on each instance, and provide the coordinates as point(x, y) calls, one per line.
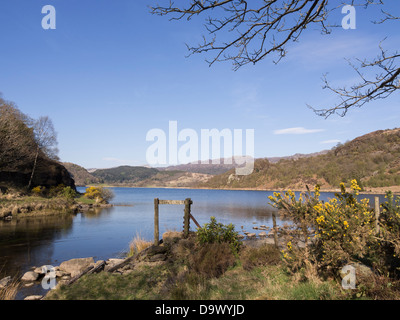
point(210, 272)
point(21, 205)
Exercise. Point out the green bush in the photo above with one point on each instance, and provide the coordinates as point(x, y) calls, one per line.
point(69, 193)
point(215, 232)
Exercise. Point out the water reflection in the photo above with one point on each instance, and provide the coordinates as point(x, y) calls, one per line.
point(27, 241)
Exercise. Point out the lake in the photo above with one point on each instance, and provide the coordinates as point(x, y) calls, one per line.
point(106, 233)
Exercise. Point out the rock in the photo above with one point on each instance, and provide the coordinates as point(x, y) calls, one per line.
point(41, 270)
point(110, 263)
point(153, 250)
point(240, 236)
point(263, 226)
point(251, 235)
point(33, 297)
point(30, 276)
point(76, 266)
point(157, 257)
point(363, 272)
point(114, 261)
point(4, 282)
point(262, 234)
point(28, 284)
point(61, 274)
point(255, 228)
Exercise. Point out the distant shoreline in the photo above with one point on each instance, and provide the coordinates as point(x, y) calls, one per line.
point(378, 190)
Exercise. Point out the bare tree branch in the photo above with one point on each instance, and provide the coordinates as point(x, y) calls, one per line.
point(253, 30)
point(385, 82)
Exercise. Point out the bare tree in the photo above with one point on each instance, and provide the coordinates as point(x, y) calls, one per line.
point(16, 139)
point(253, 30)
point(46, 140)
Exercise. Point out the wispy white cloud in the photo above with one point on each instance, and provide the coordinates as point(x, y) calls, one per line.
point(330, 141)
point(297, 130)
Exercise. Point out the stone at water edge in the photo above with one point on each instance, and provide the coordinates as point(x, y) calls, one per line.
point(30, 276)
point(76, 266)
point(33, 297)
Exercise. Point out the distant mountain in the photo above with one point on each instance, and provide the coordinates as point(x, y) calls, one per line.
point(124, 174)
point(212, 167)
point(135, 177)
point(373, 159)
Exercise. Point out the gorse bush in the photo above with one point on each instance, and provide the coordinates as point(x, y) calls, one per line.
point(216, 232)
point(100, 194)
point(339, 231)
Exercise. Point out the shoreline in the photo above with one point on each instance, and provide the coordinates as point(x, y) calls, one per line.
point(375, 190)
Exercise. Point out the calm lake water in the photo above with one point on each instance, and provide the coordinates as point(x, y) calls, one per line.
point(106, 233)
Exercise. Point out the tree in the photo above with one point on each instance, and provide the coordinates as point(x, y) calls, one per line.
point(16, 138)
point(46, 140)
point(253, 30)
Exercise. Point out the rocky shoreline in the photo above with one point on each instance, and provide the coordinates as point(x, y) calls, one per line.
point(67, 272)
point(36, 209)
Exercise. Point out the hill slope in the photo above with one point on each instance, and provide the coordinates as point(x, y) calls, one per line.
point(128, 176)
point(373, 159)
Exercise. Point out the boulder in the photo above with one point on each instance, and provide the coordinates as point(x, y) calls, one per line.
point(30, 276)
point(262, 234)
point(33, 297)
point(76, 266)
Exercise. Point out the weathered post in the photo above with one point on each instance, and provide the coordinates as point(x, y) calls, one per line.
point(377, 213)
point(275, 229)
point(156, 223)
point(186, 218)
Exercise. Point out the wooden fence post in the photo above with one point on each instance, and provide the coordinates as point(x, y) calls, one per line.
point(275, 229)
point(377, 213)
point(156, 223)
point(186, 218)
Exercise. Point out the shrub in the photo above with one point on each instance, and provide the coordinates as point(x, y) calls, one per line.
point(256, 257)
point(69, 193)
point(100, 194)
point(339, 231)
point(211, 260)
point(215, 232)
point(38, 191)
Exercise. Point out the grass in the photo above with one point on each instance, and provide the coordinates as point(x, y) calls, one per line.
point(178, 280)
point(137, 245)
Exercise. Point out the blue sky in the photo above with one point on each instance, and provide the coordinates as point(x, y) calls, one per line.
point(111, 71)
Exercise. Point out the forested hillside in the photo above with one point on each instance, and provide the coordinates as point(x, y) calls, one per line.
point(373, 159)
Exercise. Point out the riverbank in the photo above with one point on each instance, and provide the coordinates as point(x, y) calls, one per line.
point(18, 205)
point(180, 269)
